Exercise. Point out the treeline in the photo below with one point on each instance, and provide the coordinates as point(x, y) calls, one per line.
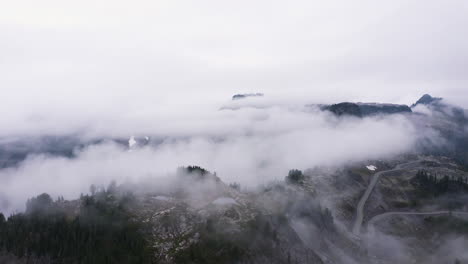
point(295, 177)
point(197, 173)
point(433, 185)
point(99, 230)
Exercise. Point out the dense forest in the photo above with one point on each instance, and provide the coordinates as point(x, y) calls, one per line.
point(434, 185)
point(101, 231)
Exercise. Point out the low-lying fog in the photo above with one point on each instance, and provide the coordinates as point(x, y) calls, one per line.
point(256, 143)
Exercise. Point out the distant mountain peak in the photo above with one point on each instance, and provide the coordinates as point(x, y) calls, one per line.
point(365, 109)
point(242, 96)
point(427, 99)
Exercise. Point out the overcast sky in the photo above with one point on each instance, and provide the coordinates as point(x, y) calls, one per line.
point(93, 55)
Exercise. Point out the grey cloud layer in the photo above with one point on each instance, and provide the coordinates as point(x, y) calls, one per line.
point(250, 146)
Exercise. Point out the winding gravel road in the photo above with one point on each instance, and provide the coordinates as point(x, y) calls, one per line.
point(362, 202)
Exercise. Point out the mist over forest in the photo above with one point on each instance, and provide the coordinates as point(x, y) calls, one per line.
point(244, 132)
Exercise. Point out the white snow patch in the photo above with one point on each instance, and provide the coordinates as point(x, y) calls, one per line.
point(131, 142)
point(371, 167)
point(147, 138)
point(224, 201)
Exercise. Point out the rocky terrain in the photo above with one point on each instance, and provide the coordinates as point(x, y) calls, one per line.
point(310, 217)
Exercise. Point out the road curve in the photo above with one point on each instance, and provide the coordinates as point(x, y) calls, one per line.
point(379, 217)
point(362, 202)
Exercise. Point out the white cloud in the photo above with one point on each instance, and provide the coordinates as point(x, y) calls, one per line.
point(249, 146)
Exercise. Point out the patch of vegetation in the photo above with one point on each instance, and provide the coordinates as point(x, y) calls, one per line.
point(216, 246)
point(401, 204)
point(102, 231)
point(196, 169)
point(314, 213)
point(447, 223)
point(197, 173)
point(295, 177)
point(431, 185)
